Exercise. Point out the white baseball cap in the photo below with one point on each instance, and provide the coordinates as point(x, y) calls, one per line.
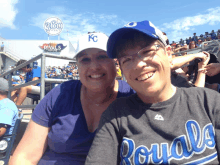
point(92, 40)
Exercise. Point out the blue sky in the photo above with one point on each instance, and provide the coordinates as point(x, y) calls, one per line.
point(23, 19)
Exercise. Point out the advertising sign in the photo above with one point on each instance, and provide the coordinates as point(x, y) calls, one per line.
point(52, 47)
point(53, 26)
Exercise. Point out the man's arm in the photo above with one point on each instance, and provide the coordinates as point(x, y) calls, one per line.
point(2, 129)
point(6, 119)
point(35, 78)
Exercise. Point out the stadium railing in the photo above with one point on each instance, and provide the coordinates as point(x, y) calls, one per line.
point(42, 80)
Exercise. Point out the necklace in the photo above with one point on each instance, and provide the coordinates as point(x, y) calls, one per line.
point(109, 98)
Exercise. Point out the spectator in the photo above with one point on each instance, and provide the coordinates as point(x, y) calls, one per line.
point(199, 43)
point(160, 124)
point(181, 42)
point(213, 69)
point(192, 45)
point(2, 47)
point(187, 41)
point(32, 74)
point(22, 80)
point(118, 70)
point(8, 110)
point(213, 35)
point(194, 38)
point(166, 39)
point(218, 36)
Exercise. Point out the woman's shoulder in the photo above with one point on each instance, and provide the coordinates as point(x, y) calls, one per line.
point(62, 89)
point(124, 89)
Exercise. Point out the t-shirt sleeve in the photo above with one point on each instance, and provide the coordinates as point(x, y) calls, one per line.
point(37, 72)
point(6, 116)
point(105, 147)
point(42, 112)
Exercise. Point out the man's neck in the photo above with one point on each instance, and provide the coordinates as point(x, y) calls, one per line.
point(160, 96)
point(3, 97)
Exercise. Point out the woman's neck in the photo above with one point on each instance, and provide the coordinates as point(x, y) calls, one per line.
point(101, 96)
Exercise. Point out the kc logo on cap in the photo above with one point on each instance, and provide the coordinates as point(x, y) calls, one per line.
point(92, 37)
point(131, 24)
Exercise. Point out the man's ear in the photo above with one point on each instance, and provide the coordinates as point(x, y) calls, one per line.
point(169, 53)
point(168, 50)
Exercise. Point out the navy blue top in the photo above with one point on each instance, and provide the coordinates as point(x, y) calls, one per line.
point(69, 139)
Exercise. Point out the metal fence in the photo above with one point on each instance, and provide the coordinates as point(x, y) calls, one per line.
point(42, 79)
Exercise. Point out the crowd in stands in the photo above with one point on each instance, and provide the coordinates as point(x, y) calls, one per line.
point(193, 42)
point(67, 71)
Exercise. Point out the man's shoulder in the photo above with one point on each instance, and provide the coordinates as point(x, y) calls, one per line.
point(200, 93)
point(121, 106)
point(7, 102)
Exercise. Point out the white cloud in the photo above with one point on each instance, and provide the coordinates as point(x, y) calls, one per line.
point(183, 27)
point(78, 24)
point(8, 13)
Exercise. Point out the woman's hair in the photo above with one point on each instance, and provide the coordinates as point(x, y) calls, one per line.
point(130, 40)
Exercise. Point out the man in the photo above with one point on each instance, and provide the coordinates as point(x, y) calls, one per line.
point(32, 74)
point(2, 47)
point(8, 110)
point(194, 38)
point(213, 35)
point(160, 124)
point(118, 70)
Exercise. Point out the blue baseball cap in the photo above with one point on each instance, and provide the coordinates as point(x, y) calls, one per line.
point(145, 27)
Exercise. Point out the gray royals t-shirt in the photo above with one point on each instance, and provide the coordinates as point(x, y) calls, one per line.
point(181, 130)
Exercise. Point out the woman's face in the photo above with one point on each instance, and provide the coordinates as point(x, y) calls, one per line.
point(193, 45)
point(96, 70)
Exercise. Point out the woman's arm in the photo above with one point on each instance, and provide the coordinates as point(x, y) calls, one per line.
point(32, 145)
point(178, 62)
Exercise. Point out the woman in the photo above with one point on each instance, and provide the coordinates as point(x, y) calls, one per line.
point(64, 124)
point(192, 45)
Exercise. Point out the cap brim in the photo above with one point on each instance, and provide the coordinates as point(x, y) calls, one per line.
point(89, 48)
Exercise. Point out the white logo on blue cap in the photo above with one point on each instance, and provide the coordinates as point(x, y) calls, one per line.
point(94, 38)
point(131, 24)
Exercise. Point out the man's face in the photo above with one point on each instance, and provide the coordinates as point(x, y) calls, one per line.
point(147, 76)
